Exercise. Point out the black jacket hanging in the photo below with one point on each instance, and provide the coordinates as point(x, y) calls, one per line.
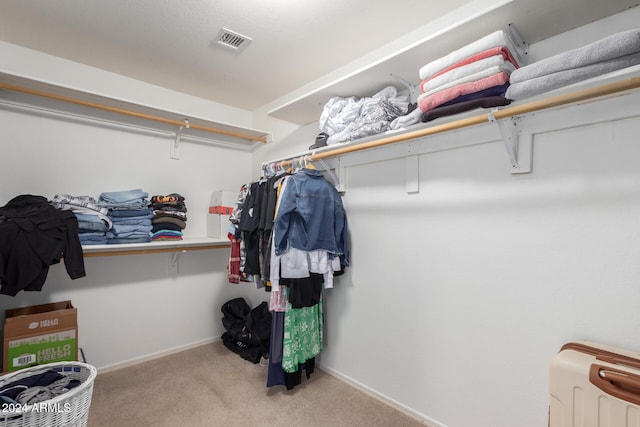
point(249, 227)
point(33, 236)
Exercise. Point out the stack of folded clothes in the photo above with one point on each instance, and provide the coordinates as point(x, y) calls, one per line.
point(474, 76)
point(130, 215)
point(93, 222)
point(169, 217)
point(618, 51)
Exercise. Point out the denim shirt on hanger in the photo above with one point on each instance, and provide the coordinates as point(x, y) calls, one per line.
point(311, 216)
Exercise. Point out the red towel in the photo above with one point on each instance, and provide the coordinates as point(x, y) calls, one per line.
point(500, 50)
point(432, 101)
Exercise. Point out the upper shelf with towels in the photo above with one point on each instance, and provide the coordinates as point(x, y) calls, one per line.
point(400, 61)
point(619, 83)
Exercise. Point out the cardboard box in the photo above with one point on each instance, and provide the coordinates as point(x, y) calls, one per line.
point(220, 208)
point(40, 334)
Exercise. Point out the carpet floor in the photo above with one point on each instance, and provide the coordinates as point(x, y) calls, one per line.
point(211, 386)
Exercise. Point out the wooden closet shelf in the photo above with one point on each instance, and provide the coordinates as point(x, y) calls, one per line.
point(188, 244)
point(366, 75)
point(64, 100)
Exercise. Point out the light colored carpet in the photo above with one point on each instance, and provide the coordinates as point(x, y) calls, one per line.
point(211, 386)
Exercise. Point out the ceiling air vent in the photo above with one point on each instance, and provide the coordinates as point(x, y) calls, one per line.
point(232, 40)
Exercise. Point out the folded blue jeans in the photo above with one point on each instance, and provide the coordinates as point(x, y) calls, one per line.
point(125, 213)
point(123, 230)
point(117, 197)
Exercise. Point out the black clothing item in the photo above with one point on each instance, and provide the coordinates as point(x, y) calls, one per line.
point(170, 199)
point(464, 106)
point(248, 352)
point(295, 378)
point(249, 227)
point(270, 199)
point(247, 330)
point(41, 379)
point(256, 219)
point(267, 220)
point(165, 226)
point(169, 207)
point(321, 141)
point(304, 292)
point(33, 236)
point(250, 216)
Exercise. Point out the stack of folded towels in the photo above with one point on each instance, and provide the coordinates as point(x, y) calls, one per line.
point(474, 76)
point(93, 222)
point(615, 52)
point(169, 217)
point(130, 215)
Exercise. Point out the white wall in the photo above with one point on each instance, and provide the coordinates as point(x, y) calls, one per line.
point(40, 67)
point(459, 296)
point(129, 307)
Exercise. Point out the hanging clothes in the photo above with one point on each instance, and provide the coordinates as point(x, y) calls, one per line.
point(290, 234)
point(254, 216)
point(309, 241)
point(237, 257)
point(248, 227)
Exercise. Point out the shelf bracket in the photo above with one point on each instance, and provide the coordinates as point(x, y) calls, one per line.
point(174, 263)
point(340, 185)
point(412, 171)
point(522, 45)
point(411, 88)
point(518, 146)
point(175, 147)
point(337, 177)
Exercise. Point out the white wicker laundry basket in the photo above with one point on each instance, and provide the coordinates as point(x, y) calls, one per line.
point(68, 409)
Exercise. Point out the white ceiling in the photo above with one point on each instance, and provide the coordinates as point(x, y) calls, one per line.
point(171, 43)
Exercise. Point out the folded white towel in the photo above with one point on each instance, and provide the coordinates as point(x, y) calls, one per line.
point(407, 120)
point(464, 71)
point(497, 38)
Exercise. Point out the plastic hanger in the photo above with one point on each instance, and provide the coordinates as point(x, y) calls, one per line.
point(307, 163)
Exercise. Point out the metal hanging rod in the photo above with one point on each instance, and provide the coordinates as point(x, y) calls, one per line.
point(128, 112)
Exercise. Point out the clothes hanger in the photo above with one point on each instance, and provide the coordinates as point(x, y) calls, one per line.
point(308, 164)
